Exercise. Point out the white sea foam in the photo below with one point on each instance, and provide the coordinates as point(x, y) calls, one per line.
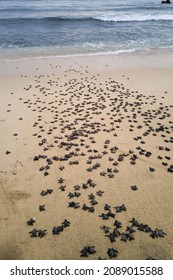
point(135, 17)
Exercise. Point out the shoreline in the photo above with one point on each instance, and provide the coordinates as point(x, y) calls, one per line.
point(53, 54)
point(85, 106)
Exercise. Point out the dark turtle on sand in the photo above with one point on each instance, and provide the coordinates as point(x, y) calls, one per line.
point(151, 169)
point(105, 228)
point(88, 250)
point(84, 207)
point(33, 233)
point(91, 209)
point(154, 234)
point(46, 173)
point(111, 237)
point(130, 236)
point(74, 205)
point(61, 180)
point(42, 233)
point(118, 209)
point(77, 194)
point(134, 188)
point(57, 230)
point(124, 237)
point(141, 227)
point(94, 202)
point(43, 193)
point(42, 207)
point(117, 224)
point(111, 214)
point(91, 196)
point(134, 222)
point(91, 249)
point(84, 252)
point(160, 232)
point(130, 229)
point(31, 221)
point(99, 193)
point(61, 168)
point(116, 233)
point(112, 253)
point(77, 188)
point(104, 216)
point(122, 207)
point(66, 223)
point(71, 195)
point(62, 188)
point(107, 207)
point(49, 191)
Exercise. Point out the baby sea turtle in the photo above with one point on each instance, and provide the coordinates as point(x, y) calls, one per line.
point(62, 188)
point(94, 202)
point(111, 237)
point(154, 234)
point(74, 205)
point(84, 252)
point(71, 195)
point(77, 194)
point(91, 249)
point(61, 180)
point(77, 188)
point(42, 208)
point(49, 191)
point(130, 236)
point(130, 229)
point(66, 223)
point(41, 233)
point(134, 222)
point(99, 193)
point(151, 169)
point(31, 221)
point(105, 228)
point(112, 253)
point(91, 209)
point(33, 233)
point(134, 188)
point(124, 237)
point(84, 207)
point(43, 193)
point(57, 230)
point(111, 214)
point(104, 216)
point(118, 209)
point(107, 207)
point(91, 196)
point(87, 250)
point(123, 208)
point(160, 232)
point(117, 224)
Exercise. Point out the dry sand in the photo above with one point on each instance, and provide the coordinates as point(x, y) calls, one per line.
point(106, 119)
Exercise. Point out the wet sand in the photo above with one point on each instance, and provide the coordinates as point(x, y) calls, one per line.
point(86, 158)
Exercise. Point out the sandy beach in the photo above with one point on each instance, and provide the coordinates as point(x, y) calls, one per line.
point(87, 157)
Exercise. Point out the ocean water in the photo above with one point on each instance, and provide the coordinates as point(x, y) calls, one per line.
point(70, 27)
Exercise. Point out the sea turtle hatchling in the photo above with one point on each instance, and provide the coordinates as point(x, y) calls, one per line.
point(66, 223)
point(41, 233)
point(33, 233)
point(112, 253)
point(88, 250)
point(31, 221)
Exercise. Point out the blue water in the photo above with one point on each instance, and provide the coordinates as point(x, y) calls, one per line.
point(58, 27)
